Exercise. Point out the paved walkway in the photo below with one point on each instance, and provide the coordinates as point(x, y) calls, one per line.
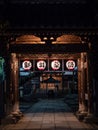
point(49, 114)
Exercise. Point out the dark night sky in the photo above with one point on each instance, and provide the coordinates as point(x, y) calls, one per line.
point(51, 13)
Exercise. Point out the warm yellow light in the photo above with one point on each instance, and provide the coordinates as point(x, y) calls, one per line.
point(45, 38)
point(51, 38)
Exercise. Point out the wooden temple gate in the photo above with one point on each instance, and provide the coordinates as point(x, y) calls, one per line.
point(53, 27)
point(85, 71)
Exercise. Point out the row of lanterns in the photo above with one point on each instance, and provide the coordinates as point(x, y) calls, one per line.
point(54, 64)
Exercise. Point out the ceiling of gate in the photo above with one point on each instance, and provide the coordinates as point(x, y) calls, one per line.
point(48, 56)
point(31, 39)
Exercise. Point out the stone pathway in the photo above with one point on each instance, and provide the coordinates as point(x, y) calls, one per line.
point(49, 114)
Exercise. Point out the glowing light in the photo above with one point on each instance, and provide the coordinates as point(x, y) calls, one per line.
point(41, 65)
point(55, 65)
point(26, 65)
point(70, 64)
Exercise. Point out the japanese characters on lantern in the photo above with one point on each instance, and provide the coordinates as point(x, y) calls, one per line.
point(26, 65)
point(49, 65)
point(55, 65)
point(70, 64)
point(41, 65)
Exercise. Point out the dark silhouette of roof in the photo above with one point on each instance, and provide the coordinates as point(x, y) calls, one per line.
point(50, 80)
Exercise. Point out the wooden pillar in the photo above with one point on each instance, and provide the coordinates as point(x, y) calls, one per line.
point(82, 112)
point(90, 114)
point(89, 84)
point(14, 83)
point(79, 85)
point(82, 83)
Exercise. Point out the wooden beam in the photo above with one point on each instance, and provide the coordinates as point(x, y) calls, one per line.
point(45, 48)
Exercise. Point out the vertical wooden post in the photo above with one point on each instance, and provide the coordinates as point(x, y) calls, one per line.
point(81, 88)
point(83, 82)
point(79, 85)
point(14, 83)
point(89, 84)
